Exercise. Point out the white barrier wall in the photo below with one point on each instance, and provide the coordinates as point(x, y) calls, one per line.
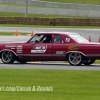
point(13, 1)
point(66, 5)
point(71, 9)
point(54, 4)
point(52, 11)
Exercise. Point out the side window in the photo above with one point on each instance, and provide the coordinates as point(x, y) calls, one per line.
point(41, 39)
point(58, 39)
point(47, 39)
point(36, 38)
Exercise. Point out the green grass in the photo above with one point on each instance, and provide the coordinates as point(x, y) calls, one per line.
point(12, 33)
point(12, 14)
point(95, 2)
point(22, 5)
point(97, 62)
point(41, 26)
point(18, 5)
point(67, 85)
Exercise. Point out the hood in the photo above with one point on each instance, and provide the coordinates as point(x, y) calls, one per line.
point(18, 42)
point(11, 45)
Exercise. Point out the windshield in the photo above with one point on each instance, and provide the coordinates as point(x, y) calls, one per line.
point(78, 38)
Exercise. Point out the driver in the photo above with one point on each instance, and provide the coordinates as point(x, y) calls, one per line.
point(48, 39)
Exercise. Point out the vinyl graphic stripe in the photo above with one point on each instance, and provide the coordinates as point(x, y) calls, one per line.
point(93, 55)
point(41, 55)
point(54, 55)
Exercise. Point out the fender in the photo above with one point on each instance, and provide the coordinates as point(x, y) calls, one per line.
point(8, 50)
point(75, 51)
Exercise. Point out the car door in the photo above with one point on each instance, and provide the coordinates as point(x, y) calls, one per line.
point(59, 48)
point(37, 50)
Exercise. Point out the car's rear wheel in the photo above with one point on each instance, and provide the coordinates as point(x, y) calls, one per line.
point(7, 57)
point(75, 58)
point(88, 61)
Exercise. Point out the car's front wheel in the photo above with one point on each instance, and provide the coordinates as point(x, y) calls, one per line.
point(88, 61)
point(75, 58)
point(7, 57)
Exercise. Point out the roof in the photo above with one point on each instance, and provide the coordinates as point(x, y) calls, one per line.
point(68, 33)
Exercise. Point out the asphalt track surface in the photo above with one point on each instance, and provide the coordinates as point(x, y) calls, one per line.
point(94, 33)
point(48, 66)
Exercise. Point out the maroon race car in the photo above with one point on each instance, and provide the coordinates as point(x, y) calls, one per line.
point(52, 46)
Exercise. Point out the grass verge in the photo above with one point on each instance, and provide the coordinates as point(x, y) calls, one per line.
point(71, 85)
point(15, 14)
point(97, 62)
point(96, 2)
point(21, 5)
point(12, 33)
point(41, 26)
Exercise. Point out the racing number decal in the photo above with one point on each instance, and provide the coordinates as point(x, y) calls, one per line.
point(39, 49)
point(73, 48)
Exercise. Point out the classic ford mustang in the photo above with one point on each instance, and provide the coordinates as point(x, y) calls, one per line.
point(52, 46)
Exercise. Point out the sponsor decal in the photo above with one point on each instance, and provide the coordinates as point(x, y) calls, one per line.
point(39, 49)
point(73, 48)
point(60, 52)
point(10, 46)
point(19, 49)
point(19, 46)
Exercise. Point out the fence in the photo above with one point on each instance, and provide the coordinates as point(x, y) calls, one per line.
point(50, 21)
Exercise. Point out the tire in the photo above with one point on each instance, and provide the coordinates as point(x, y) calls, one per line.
point(75, 59)
point(7, 57)
point(88, 61)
